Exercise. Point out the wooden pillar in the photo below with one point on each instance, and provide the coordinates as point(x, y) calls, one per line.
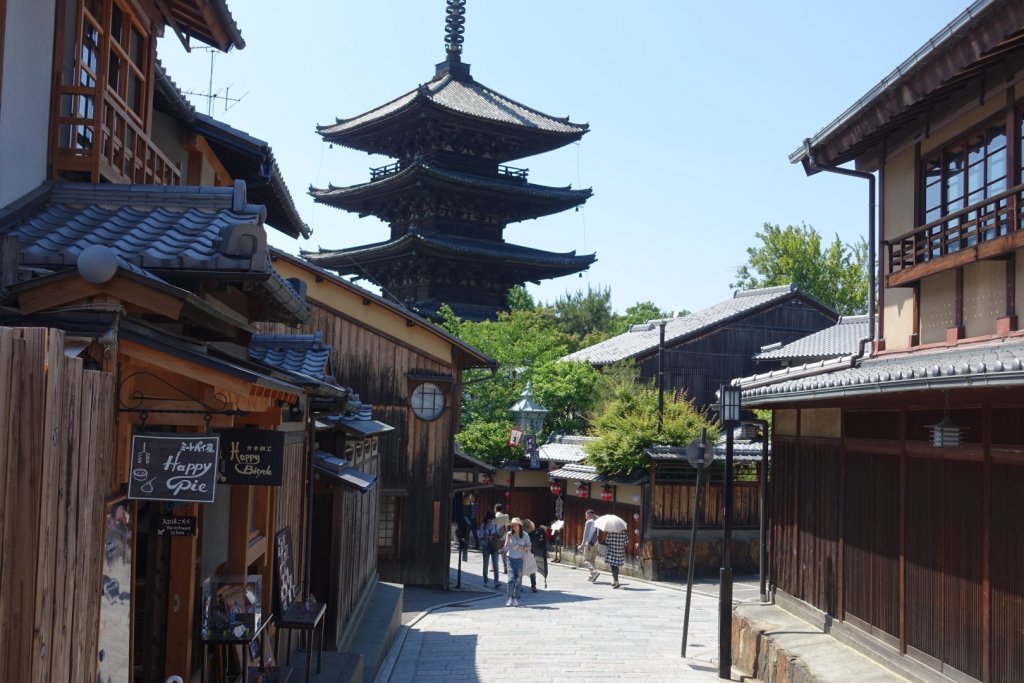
point(841, 531)
point(903, 533)
point(986, 545)
point(181, 600)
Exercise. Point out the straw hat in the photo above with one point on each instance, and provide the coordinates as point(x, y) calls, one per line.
point(516, 520)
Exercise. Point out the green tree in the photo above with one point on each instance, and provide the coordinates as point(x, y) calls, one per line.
point(582, 315)
point(519, 299)
point(628, 426)
point(835, 274)
point(570, 391)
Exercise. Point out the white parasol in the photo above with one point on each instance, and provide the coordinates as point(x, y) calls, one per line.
point(501, 519)
point(557, 525)
point(610, 523)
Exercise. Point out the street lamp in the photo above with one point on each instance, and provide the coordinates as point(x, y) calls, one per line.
point(527, 413)
point(729, 414)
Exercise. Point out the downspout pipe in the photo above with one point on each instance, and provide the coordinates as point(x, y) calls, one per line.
point(811, 167)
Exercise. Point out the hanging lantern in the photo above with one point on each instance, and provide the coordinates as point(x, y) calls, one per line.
point(485, 478)
point(556, 487)
point(508, 494)
point(945, 433)
point(581, 490)
point(607, 494)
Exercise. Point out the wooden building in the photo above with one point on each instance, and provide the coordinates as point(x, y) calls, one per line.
point(708, 348)
point(896, 476)
point(450, 194)
point(133, 269)
point(411, 372)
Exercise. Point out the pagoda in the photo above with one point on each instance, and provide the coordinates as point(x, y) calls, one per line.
point(450, 194)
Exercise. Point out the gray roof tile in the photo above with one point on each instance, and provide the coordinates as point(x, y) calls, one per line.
point(299, 353)
point(564, 448)
point(842, 339)
point(994, 364)
point(463, 97)
point(645, 338)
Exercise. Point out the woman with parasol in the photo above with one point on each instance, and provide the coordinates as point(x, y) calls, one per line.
point(616, 539)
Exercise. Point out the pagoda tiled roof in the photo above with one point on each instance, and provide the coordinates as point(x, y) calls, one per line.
point(463, 96)
point(842, 339)
point(644, 339)
point(420, 175)
point(452, 245)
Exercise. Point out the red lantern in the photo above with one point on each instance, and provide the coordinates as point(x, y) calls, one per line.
point(581, 490)
point(556, 487)
point(607, 494)
point(508, 494)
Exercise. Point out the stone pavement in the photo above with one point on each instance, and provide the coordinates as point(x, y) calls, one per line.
point(572, 631)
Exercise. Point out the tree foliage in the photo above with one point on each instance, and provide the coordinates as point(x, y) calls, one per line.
point(628, 426)
point(834, 273)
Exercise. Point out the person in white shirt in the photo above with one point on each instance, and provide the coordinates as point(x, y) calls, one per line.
point(588, 545)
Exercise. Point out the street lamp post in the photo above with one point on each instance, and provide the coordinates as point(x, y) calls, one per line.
point(529, 416)
point(729, 414)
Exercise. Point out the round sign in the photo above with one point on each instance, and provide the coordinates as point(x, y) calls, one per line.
point(700, 457)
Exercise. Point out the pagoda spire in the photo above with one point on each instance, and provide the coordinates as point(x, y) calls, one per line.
point(454, 27)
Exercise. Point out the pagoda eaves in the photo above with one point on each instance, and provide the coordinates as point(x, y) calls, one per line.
point(422, 192)
point(457, 112)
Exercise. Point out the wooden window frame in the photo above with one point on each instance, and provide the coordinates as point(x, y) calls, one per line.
point(389, 549)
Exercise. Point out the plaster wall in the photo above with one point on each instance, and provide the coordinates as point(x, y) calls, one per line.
point(784, 422)
point(898, 317)
point(962, 122)
point(166, 134)
point(1018, 285)
point(938, 306)
point(984, 297)
point(899, 181)
point(821, 422)
point(25, 100)
point(538, 478)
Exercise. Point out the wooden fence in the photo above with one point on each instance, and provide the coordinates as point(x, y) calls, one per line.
point(56, 450)
point(672, 505)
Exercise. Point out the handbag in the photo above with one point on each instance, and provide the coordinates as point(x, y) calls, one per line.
point(602, 549)
point(495, 543)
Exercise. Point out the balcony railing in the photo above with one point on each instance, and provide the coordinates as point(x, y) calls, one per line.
point(513, 173)
point(978, 231)
point(509, 172)
point(120, 153)
point(385, 171)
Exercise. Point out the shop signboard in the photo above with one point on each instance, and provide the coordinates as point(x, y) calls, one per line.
point(251, 457)
point(174, 467)
point(172, 525)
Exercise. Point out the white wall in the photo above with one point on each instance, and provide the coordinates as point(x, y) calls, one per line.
point(25, 99)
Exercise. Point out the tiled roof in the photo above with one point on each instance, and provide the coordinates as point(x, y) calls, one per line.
point(642, 339)
point(842, 339)
point(564, 448)
point(422, 175)
point(305, 354)
point(462, 96)
point(578, 472)
point(172, 232)
point(200, 19)
point(356, 420)
point(741, 450)
point(983, 364)
point(155, 227)
point(509, 254)
point(340, 471)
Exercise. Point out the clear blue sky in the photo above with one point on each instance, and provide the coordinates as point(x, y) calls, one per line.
point(694, 108)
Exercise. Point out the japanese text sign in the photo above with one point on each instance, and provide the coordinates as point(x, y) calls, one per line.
point(174, 467)
point(251, 457)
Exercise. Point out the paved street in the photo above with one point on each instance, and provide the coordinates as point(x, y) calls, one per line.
point(572, 631)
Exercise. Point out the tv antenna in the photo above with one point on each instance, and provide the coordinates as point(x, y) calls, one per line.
point(211, 96)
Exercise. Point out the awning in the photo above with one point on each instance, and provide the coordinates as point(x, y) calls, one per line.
point(589, 473)
point(337, 471)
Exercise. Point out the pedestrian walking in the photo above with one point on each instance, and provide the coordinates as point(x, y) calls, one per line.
point(501, 519)
point(491, 541)
point(517, 546)
point(588, 545)
point(615, 556)
point(537, 559)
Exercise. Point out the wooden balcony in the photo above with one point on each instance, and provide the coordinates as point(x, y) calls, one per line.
point(104, 142)
point(984, 230)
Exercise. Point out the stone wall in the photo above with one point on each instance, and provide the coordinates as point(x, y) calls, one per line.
point(666, 558)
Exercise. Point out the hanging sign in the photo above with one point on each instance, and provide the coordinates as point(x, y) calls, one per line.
point(171, 525)
point(173, 467)
point(514, 437)
point(251, 457)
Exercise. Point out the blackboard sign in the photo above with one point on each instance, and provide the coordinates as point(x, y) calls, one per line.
point(173, 467)
point(251, 457)
point(177, 526)
point(287, 590)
